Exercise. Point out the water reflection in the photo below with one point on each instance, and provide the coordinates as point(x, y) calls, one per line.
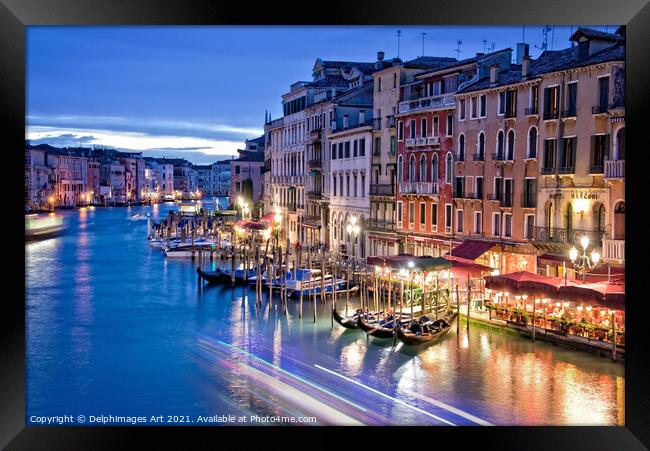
point(132, 321)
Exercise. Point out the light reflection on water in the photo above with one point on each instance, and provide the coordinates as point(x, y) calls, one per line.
point(113, 327)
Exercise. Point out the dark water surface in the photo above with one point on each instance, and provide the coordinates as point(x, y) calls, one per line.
point(113, 328)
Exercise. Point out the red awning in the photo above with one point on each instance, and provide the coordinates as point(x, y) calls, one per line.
point(471, 249)
point(524, 282)
point(252, 225)
point(462, 268)
point(610, 295)
point(269, 217)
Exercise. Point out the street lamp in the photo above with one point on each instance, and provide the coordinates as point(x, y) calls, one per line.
point(353, 229)
point(583, 262)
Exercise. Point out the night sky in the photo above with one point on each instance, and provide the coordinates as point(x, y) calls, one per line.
point(199, 92)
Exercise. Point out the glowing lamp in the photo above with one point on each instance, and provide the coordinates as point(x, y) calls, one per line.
point(579, 308)
point(584, 242)
point(595, 257)
point(573, 254)
point(411, 264)
point(588, 308)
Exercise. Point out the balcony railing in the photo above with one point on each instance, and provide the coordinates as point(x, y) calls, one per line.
point(458, 194)
point(410, 142)
point(615, 169)
point(566, 236)
point(478, 157)
point(547, 171)
point(599, 109)
point(443, 100)
point(596, 169)
point(418, 188)
point(549, 115)
point(571, 112)
point(506, 201)
point(613, 250)
point(380, 224)
point(501, 157)
point(566, 170)
point(531, 111)
point(528, 200)
point(510, 114)
point(433, 140)
point(383, 189)
point(494, 197)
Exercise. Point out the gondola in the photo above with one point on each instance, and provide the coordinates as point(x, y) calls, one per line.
point(379, 330)
point(212, 276)
point(426, 330)
point(349, 322)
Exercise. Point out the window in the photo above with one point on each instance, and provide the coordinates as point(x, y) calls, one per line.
point(498, 188)
point(532, 142)
point(533, 103)
point(341, 185)
point(447, 218)
point(356, 148)
point(355, 186)
point(412, 129)
point(411, 214)
point(362, 147)
point(347, 185)
point(507, 193)
point(334, 184)
point(450, 124)
point(394, 80)
point(400, 130)
point(511, 103)
point(550, 102)
point(400, 169)
point(483, 106)
point(340, 150)
point(567, 154)
point(423, 208)
point(378, 84)
point(507, 224)
point(473, 107)
point(529, 223)
point(530, 193)
point(479, 187)
point(502, 103)
point(449, 168)
point(346, 121)
point(461, 147)
point(603, 92)
point(377, 150)
point(460, 185)
point(393, 145)
point(481, 147)
point(436, 126)
point(347, 149)
point(478, 222)
point(459, 221)
point(511, 145)
point(362, 117)
point(599, 152)
point(237, 169)
point(423, 168)
point(572, 96)
point(500, 155)
point(434, 216)
point(496, 224)
point(549, 154)
point(462, 110)
point(333, 150)
point(423, 128)
point(434, 167)
point(363, 185)
point(399, 213)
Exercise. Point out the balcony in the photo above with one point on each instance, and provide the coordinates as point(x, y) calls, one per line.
point(433, 141)
point(599, 109)
point(418, 188)
point(510, 114)
point(615, 169)
point(596, 169)
point(315, 163)
point(380, 224)
point(501, 157)
point(315, 135)
point(496, 197)
point(548, 171)
point(439, 101)
point(532, 111)
point(458, 194)
point(384, 189)
point(569, 113)
point(613, 250)
point(528, 200)
point(568, 237)
point(566, 170)
point(478, 157)
point(410, 142)
point(550, 115)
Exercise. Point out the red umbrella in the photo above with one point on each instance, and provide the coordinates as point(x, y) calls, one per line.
point(610, 295)
point(524, 282)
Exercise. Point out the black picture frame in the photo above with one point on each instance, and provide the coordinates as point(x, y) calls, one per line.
point(15, 15)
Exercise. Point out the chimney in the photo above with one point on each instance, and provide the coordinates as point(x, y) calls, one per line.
point(522, 52)
point(493, 74)
point(525, 67)
point(380, 56)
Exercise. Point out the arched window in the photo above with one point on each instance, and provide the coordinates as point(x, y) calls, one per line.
point(500, 145)
point(532, 142)
point(481, 147)
point(434, 167)
point(548, 214)
point(461, 147)
point(449, 168)
point(423, 168)
point(412, 168)
point(599, 217)
point(511, 145)
point(619, 221)
point(620, 144)
point(400, 169)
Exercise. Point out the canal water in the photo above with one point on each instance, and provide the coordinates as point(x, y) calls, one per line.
point(114, 328)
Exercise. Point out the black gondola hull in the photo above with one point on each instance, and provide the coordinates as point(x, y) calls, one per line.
point(348, 323)
point(412, 339)
point(212, 276)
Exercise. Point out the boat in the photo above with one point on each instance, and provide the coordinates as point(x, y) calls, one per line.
point(240, 273)
point(377, 327)
point(212, 276)
point(188, 250)
point(42, 227)
point(349, 322)
point(424, 330)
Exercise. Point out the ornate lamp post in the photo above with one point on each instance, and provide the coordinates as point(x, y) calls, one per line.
point(353, 230)
point(583, 262)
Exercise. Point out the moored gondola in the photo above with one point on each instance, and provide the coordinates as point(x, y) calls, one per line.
point(349, 322)
point(212, 276)
point(380, 328)
point(424, 330)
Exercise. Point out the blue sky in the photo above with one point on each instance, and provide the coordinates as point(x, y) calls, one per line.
point(198, 92)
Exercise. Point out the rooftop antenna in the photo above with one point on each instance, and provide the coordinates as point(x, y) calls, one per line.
point(423, 34)
point(399, 33)
point(484, 45)
point(552, 36)
point(458, 43)
point(545, 31)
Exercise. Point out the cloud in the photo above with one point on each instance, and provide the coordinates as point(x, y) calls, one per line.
point(65, 140)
